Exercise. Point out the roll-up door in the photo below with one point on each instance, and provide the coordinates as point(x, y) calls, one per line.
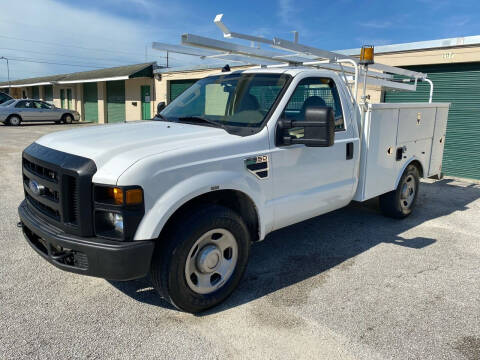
point(90, 101)
point(176, 87)
point(48, 91)
point(116, 101)
point(35, 92)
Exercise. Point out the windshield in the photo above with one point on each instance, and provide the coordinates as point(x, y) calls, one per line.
point(8, 102)
point(232, 100)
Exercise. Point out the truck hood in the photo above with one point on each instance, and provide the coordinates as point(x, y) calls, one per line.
point(115, 147)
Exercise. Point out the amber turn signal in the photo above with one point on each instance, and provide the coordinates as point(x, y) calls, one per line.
point(133, 196)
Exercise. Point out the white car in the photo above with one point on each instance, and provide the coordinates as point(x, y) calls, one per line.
point(235, 157)
point(14, 112)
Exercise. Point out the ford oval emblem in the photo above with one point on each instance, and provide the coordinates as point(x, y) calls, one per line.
point(35, 187)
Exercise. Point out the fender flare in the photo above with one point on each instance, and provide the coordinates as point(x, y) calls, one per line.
point(181, 193)
point(408, 162)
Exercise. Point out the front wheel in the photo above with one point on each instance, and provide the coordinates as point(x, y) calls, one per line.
point(400, 202)
point(67, 119)
point(201, 259)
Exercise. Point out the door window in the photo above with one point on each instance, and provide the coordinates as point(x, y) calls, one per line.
point(24, 105)
point(315, 92)
point(45, 105)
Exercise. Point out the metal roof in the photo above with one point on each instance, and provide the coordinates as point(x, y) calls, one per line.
point(420, 45)
point(115, 73)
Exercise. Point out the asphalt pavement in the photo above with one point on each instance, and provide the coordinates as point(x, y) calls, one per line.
point(351, 284)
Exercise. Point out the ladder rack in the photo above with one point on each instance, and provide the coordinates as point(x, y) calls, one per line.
point(287, 53)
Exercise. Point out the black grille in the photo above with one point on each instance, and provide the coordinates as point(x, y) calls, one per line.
point(53, 182)
point(47, 210)
point(41, 171)
point(72, 213)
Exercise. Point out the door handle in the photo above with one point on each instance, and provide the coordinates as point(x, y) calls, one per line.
point(349, 150)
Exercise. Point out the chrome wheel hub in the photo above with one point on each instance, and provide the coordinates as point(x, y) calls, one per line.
point(211, 261)
point(407, 194)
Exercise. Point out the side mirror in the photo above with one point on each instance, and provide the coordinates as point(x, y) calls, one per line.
point(161, 105)
point(317, 130)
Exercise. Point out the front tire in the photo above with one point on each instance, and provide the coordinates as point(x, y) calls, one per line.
point(14, 120)
point(67, 119)
point(400, 202)
point(201, 259)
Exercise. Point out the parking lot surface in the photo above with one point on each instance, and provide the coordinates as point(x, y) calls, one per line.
point(351, 284)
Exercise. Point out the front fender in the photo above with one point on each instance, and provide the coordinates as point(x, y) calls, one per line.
point(165, 206)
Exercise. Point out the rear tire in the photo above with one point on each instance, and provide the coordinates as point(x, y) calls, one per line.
point(400, 202)
point(14, 120)
point(201, 259)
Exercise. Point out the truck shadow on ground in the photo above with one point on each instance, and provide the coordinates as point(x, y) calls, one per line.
point(301, 251)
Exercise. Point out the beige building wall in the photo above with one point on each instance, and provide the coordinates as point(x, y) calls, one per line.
point(133, 98)
point(41, 92)
point(16, 93)
point(161, 85)
point(102, 102)
point(56, 96)
point(431, 57)
point(78, 99)
point(27, 91)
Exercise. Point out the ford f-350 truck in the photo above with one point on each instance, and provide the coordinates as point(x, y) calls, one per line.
point(235, 157)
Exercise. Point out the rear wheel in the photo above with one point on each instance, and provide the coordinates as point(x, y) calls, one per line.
point(400, 202)
point(14, 120)
point(199, 265)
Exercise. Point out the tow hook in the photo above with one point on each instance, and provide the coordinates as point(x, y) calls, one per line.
point(20, 225)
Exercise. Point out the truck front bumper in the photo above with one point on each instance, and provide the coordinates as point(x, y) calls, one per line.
point(113, 260)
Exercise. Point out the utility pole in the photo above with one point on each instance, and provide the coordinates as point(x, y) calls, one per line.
point(8, 75)
point(167, 59)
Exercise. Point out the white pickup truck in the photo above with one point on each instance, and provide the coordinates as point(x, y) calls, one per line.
point(236, 156)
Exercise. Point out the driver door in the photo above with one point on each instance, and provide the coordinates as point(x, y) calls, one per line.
point(309, 181)
point(26, 110)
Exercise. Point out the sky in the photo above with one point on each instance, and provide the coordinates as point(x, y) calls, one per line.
point(43, 37)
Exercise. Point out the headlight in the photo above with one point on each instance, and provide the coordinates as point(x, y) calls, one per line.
point(109, 224)
point(117, 211)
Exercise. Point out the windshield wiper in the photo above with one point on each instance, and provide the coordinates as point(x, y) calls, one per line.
point(161, 117)
point(200, 119)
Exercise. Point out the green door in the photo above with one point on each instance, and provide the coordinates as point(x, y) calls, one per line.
point(145, 92)
point(69, 99)
point(90, 101)
point(62, 98)
point(115, 101)
point(458, 84)
point(35, 92)
point(176, 87)
point(48, 90)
